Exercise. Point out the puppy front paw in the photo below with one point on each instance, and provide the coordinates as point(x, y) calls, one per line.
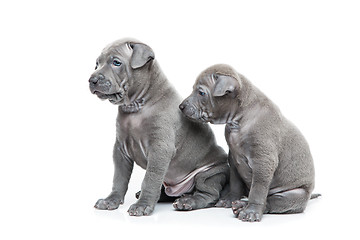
point(249, 213)
point(108, 204)
point(140, 209)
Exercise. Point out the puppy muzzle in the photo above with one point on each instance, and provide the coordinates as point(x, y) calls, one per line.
point(194, 113)
point(105, 90)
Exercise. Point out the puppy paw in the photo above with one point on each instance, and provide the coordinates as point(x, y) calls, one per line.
point(237, 206)
point(108, 204)
point(249, 213)
point(226, 201)
point(184, 204)
point(140, 209)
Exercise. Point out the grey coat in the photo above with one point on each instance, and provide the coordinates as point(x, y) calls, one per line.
point(152, 132)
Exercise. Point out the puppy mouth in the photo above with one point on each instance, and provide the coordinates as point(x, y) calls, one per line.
point(204, 119)
point(205, 116)
point(199, 117)
point(114, 98)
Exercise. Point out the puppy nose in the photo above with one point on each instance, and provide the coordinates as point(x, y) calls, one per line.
point(95, 79)
point(182, 107)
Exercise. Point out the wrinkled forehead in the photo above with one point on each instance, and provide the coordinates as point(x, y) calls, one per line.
point(209, 76)
point(205, 80)
point(120, 49)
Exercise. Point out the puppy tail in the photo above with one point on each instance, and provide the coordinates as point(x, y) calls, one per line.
point(315, 195)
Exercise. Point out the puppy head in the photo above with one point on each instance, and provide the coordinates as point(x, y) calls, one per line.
point(215, 92)
point(115, 67)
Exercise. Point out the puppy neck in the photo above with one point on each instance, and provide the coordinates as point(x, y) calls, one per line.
point(146, 93)
point(133, 107)
point(248, 98)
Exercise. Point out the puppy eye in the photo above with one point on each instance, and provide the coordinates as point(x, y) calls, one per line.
point(96, 66)
point(116, 62)
point(201, 93)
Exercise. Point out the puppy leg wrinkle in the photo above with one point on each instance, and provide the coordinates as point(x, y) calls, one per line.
point(291, 201)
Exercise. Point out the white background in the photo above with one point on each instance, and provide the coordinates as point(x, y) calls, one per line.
point(56, 138)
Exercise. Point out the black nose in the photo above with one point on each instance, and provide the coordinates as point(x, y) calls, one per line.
point(95, 79)
point(182, 107)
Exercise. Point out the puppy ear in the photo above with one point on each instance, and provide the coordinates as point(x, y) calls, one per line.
point(224, 84)
point(141, 55)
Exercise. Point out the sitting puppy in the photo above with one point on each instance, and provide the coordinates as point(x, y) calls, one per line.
point(270, 161)
point(177, 153)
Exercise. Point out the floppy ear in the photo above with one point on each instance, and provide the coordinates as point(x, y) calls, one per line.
point(141, 55)
point(224, 84)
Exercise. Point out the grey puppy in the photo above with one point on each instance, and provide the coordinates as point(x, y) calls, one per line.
point(270, 161)
point(151, 131)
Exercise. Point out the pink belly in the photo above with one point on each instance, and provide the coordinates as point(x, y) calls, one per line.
point(184, 185)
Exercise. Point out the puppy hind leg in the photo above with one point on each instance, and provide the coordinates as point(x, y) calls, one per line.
point(291, 201)
point(236, 190)
point(208, 186)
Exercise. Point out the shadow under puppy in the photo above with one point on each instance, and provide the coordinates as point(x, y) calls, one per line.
point(150, 130)
point(270, 161)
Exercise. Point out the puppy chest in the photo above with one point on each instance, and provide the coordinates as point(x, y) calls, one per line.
point(241, 160)
point(242, 165)
point(134, 148)
point(131, 128)
point(237, 141)
point(130, 123)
